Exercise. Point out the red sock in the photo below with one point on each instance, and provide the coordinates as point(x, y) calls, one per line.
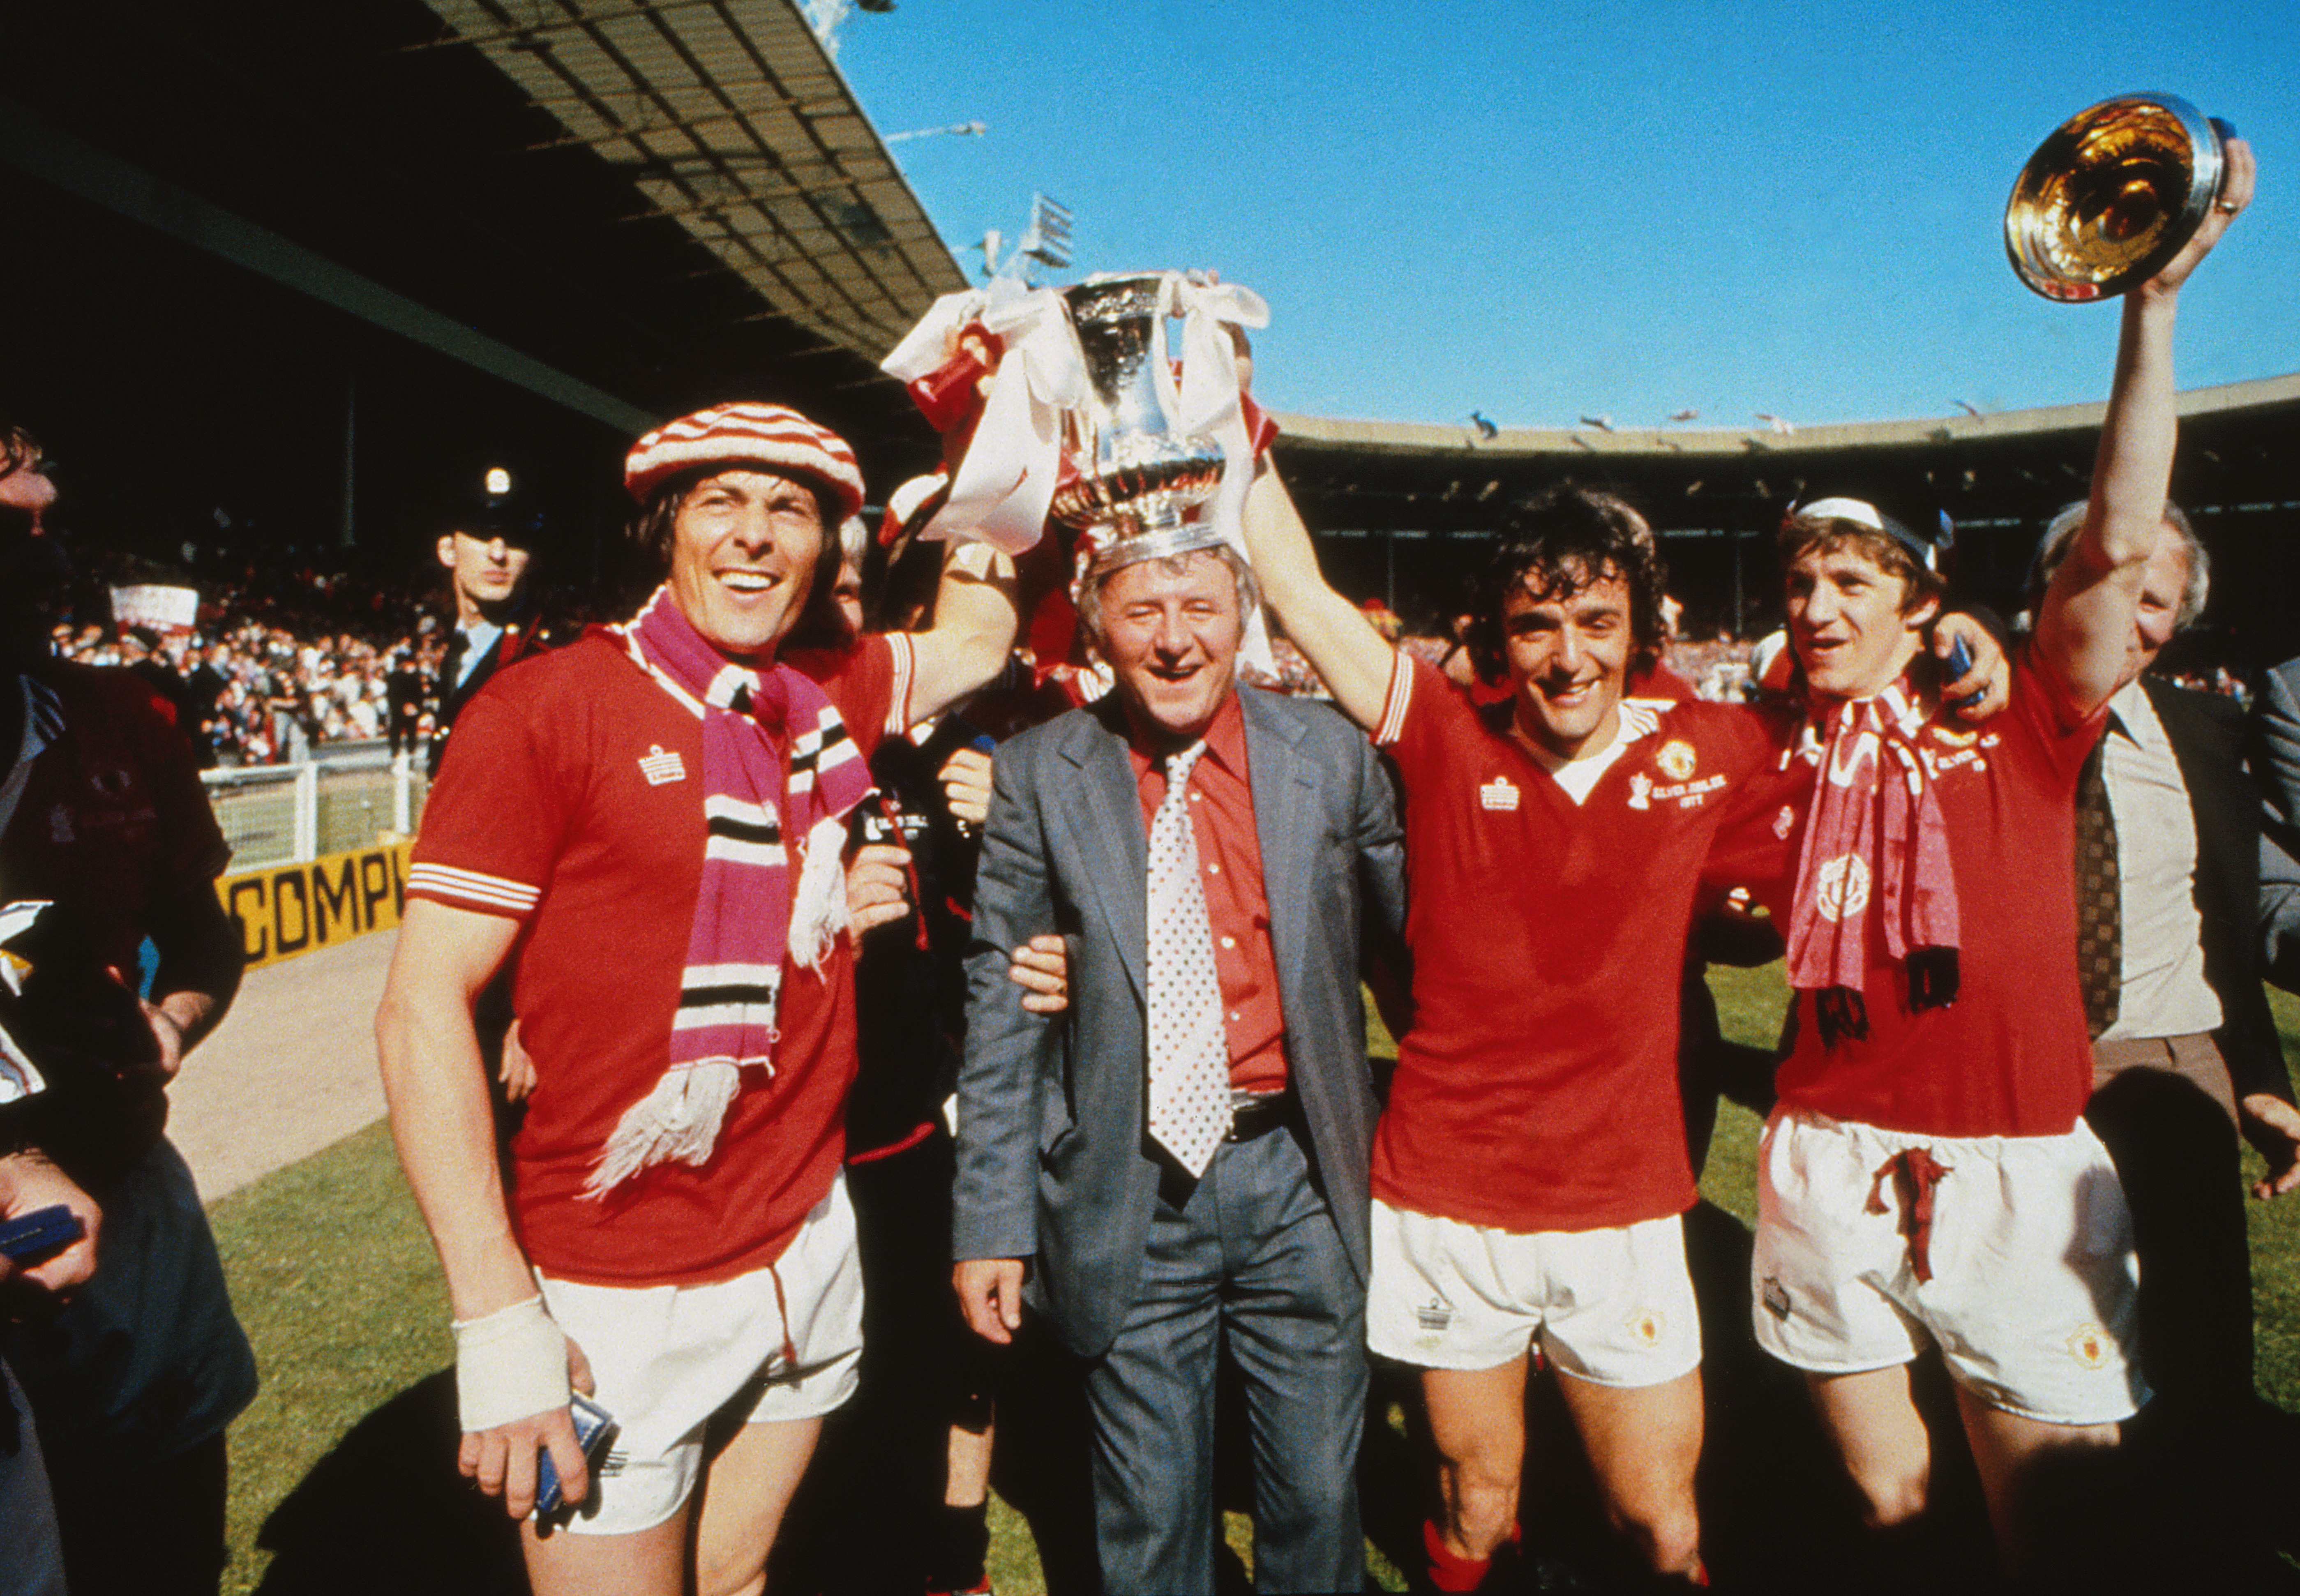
point(1448, 1570)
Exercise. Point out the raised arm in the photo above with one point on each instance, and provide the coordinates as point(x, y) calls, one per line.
point(1332, 633)
point(512, 1370)
point(2087, 621)
point(974, 624)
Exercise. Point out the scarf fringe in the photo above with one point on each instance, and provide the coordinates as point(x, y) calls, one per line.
point(1933, 977)
point(819, 907)
point(678, 1119)
point(1840, 1012)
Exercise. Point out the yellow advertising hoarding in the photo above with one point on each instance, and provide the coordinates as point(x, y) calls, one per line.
point(286, 910)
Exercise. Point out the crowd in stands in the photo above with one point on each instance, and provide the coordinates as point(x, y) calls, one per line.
point(282, 659)
point(290, 658)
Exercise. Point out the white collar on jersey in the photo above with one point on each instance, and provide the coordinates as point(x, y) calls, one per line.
point(1640, 717)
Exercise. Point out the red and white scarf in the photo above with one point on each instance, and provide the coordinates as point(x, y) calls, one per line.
point(777, 764)
point(1875, 848)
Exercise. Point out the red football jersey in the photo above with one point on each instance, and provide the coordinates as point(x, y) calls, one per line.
point(571, 800)
point(2010, 1057)
point(1537, 1089)
point(112, 813)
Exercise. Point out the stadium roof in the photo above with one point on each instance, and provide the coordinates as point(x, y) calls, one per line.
point(728, 119)
point(1379, 475)
point(395, 238)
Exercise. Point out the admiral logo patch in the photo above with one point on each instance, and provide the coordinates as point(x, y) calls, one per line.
point(659, 767)
point(1676, 760)
point(1501, 794)
point(1434, 1315)
point(1785, 822)
point(1777, 1298)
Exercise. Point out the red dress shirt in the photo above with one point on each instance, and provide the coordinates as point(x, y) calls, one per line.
point(1237, 909)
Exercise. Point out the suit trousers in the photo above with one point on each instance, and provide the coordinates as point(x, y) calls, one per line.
point(2196, 1447)
point(31, 1559)
point(1250, 1259)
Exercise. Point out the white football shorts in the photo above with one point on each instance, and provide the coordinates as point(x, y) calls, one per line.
point(1613, 1307)
point(777, 1344)
point(2033, 1290)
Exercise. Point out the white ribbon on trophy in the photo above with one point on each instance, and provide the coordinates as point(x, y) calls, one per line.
point(1207, 403)
point(1000, 491)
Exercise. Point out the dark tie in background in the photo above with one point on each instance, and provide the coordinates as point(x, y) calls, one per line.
point(2100, 938)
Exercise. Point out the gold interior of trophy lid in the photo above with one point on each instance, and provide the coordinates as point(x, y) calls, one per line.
point(2101, 193)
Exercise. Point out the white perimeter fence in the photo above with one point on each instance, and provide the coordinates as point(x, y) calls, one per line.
point(344, 799)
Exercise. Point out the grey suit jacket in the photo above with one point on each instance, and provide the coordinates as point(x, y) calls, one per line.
point(2207, 734)
point(1052, 1164)
point(2276, 759)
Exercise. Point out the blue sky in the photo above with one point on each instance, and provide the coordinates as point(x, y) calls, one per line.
point(1547, 211)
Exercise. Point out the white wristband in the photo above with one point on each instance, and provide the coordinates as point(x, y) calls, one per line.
point(511, 1364)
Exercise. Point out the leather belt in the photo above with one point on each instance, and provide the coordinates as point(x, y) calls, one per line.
point(1258, 1113)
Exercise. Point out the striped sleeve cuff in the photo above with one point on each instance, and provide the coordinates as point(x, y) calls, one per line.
point(472, 889)
point(1395, 701)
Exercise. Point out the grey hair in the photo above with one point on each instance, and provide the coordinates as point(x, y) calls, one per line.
point(2061, 535)
point(853, 541)
point(1089, 589)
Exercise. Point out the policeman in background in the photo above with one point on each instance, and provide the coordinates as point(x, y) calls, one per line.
point(490, 557)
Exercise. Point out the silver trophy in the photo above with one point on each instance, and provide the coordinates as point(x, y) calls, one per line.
point(1138, 475)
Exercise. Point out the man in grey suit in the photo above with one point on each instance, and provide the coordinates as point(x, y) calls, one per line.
point(1180, 1161)
point(2276, 757)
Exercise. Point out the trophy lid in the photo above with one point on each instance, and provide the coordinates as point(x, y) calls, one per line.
point(2112, 195)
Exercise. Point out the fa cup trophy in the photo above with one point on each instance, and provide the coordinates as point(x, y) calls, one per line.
point(1139, 469)
point(1083, 419)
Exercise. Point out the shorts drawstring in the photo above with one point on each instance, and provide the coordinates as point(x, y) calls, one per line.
point(1914, 1173)
point(782, 1312)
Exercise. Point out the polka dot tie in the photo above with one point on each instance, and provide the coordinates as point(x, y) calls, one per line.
point(1190, 1051)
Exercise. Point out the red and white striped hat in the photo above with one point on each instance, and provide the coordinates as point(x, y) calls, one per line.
point(773, 435)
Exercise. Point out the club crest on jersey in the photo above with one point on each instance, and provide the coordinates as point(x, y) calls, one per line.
point(1676, 760)
point(2091, 1346)
point(660, 767)
point(1646, 1326)
point(1842, 886)
point(1501, 792)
